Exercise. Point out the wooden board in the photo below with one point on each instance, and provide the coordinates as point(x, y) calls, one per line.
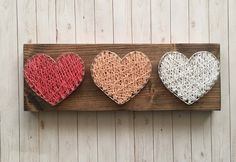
point(90, 98)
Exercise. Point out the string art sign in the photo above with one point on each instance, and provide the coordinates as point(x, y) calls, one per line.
point(129, 80)
point(189, 79)
point(54, 80)
point(121, 78)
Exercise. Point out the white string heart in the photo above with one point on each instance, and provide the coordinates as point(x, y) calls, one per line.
point(189, 79)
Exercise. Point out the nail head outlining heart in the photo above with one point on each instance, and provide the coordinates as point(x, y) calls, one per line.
point(54, 80)
point(121, 78)
point(189, 79)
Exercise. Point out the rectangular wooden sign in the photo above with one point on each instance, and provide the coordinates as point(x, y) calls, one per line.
point(154, 96)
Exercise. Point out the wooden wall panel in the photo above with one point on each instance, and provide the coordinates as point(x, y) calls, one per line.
point(121, 135)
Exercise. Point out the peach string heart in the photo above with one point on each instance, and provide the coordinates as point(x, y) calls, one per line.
point(121, 79)
point(54, 80)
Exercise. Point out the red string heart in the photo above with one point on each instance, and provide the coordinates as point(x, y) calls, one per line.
point(54, 80)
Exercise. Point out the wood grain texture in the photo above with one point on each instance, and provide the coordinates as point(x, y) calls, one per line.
point(9, 109)
point(106, 130)
point(162, 121)
point(48, 121)
point(181, 120)
point(218, 14)
point(200, 121)
point(67, 121)
point(124, 120)
point(87, 121)
point(153, 97)
point(232, 61)
point(29, 127)
point(143, 121)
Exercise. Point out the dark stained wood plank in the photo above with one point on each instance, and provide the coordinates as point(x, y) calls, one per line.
point(90, 98)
